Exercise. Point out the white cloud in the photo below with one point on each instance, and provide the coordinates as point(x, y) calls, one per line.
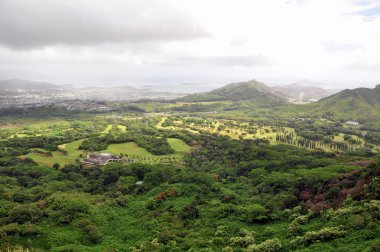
point(218, 40)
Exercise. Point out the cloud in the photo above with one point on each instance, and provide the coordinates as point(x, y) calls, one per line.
point(224, 61)
point(334, 47)
point(276, 41)
point(28, 24)
point(364, 66)
point(369, 12)
point(233, 60)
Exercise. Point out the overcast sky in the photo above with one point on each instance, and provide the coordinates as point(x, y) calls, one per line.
point(334, 42)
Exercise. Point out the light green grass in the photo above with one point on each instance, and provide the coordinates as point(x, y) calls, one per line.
point(122, 128)
point(59, 157)
point(132, 150)
point(178, 145)
point(108, 129)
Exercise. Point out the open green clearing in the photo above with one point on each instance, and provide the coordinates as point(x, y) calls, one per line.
point(133, 151)
point(72, 153)
point(108, 129)
point(130, 150)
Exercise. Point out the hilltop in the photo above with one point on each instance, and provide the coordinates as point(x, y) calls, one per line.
point(362, 104)
point(310, 90)
point(240, 91)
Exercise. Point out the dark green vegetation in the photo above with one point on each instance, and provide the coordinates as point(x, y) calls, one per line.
point(198, 176)
point(361, 104)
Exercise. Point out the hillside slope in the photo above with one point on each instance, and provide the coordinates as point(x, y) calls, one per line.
point(361, 104)
point(293, 91)
point(240, 91)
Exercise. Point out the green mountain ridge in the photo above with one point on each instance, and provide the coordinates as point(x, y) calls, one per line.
point(240, 91)
point(362, 104)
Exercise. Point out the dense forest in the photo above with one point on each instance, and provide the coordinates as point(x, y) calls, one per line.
point(227, 193)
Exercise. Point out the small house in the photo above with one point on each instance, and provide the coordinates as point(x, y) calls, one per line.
point(100, 159)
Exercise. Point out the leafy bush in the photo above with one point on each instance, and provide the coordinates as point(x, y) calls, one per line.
point(324, 234)
point(272, 245)
point(244, 239)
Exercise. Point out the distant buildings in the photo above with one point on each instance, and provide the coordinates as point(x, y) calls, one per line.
point(352, 123)
point(100, 159)
point(300, 97)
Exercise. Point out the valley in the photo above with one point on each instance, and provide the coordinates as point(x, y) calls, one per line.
point(237, 174)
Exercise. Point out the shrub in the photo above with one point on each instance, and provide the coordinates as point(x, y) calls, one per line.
point(189, 212)
point(221, 231)
point(257, 213)
point(295, 227)
point(324, 234)
point(244, 239)
point(11, 229)
point(165, 237)
point(152, 204)
point(67, 207)
point(30, 229)
point(25, 213)
point(272, 245)
point(93, 234)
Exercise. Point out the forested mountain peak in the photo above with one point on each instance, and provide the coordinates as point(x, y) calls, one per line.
point(370, 96)
point(250, 90)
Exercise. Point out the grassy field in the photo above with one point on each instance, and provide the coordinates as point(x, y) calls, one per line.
point(108, 129)
point(133, 151)
point(58, 157)
point(178, 145)
point(130, 149)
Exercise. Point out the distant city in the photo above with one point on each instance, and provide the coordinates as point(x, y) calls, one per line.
point(23, 93)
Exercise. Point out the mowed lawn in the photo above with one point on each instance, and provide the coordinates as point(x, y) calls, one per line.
point(131, 149)
point(178, 145)
point(58, 157)
point(134, 151)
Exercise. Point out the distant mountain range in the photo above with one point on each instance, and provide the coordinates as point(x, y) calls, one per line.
point(307, 89)
point(254, 90)
point(16, 84)
point(360, 104)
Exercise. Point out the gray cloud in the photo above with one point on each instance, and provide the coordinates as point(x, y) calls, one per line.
point(228, 60)
point(28, 24)
point(246, 61)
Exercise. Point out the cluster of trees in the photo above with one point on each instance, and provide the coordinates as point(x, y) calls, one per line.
point(324, 143)
point(372, 137)
point(47, 143)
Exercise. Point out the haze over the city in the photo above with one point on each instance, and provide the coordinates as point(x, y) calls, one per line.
point(162, 42)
